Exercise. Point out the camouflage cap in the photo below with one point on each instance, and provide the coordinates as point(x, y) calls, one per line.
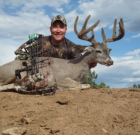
point(59, 18)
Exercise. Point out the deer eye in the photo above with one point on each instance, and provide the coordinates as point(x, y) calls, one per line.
point(98, 51)
point(109, 50)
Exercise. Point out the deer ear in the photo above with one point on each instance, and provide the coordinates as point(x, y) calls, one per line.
point(89, 49)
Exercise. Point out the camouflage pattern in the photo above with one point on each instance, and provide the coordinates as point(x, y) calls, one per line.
point(59, 18)
point(65, 51)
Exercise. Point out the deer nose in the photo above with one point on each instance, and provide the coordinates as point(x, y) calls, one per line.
point(108, 62)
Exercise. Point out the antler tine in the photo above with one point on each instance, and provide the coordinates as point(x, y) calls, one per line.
point(83, 30)
point(103, 35)
point(75, 25)
point(114, 28)
point(83, 33)
point(92, 39)
point(121, 31)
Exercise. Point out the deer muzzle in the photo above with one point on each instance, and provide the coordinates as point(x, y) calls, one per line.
point(107, 62)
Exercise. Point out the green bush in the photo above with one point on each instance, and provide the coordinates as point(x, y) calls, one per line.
point(103, 85)
point(136, 86)
point(90, 79)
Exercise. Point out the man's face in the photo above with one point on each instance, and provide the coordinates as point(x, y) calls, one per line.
point(58, 31)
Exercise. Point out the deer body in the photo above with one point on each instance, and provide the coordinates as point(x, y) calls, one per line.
point(68, 73)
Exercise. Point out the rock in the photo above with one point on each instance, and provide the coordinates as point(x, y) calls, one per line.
point(26, 120)
point(14, 131)
point(64, 102)
point(39, 102)
point(54, 131)
point(104, 130)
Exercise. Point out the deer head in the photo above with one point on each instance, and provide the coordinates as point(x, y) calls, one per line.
point(101, 50)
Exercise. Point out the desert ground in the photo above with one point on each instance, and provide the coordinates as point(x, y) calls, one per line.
point(85, 112)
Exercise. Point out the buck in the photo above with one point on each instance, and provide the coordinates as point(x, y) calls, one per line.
point(68, 73)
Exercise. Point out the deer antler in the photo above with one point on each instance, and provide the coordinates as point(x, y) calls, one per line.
point(83, 33)
point(114, 37)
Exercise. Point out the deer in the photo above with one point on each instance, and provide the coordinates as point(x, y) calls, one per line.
point(68, 74)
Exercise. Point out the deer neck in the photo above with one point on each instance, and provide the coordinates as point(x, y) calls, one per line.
point(84, 60)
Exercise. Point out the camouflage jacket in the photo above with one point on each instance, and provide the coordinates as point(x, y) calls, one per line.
point(67, 50)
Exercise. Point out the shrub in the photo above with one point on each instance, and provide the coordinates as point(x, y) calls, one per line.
point(90, 79)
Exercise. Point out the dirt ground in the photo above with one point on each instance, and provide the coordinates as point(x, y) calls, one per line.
point(86, 112)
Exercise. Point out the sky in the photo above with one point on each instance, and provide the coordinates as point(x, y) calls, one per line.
point(20, 18)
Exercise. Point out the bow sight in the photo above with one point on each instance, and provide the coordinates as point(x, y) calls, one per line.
point(29, 51)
